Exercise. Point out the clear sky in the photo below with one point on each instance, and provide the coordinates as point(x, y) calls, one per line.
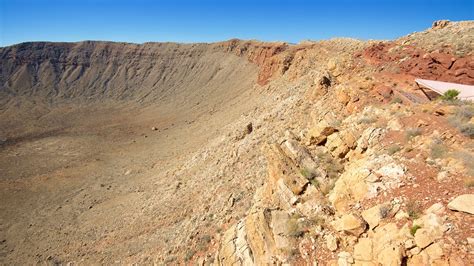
point(211, 20)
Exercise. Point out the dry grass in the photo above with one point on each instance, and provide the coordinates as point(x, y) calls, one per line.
point(438, 149)
point(467, 159)
point(367, 120)
point(385, 211)
point(461, 118)
point(413, 209)
point(393, 149)
point(294, 228)
point(411, 133)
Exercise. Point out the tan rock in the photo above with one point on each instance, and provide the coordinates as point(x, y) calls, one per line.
point(410, 243)
point(436, 208)
point(434, 251)
point(234, 247)
point(394, 124)
point(319, 133)
point(401, 215)
point(415, 251)
point(331, 242)
point(342, 97)
point(351, 224)
point(373, 216)
point(280, 228)
point(463, 203)
point(363, 249)
point(390, 255)
point(337, 146)
point(417, 260)
point(364, 263)
point(423, 238)
point(345, 258)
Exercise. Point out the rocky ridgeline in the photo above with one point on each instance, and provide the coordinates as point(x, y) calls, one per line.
point(361, 183)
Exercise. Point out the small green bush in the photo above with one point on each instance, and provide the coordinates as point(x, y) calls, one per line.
point(413, 229)
point(450, 95)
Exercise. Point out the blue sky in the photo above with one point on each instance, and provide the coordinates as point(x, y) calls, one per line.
point(211, 20)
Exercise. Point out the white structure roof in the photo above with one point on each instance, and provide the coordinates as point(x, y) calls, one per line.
point(466, 91)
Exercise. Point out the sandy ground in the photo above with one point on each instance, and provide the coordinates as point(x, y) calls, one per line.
point(78, 185)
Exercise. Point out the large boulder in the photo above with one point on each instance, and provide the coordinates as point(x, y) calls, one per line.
point(319, 133)
point(350, 224)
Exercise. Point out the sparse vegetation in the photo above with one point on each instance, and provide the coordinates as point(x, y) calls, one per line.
point(412, 132)
point(438, 149)
point(332, 166)
point(450, 95)
point(467, 159)
point(328, 187)
point(384, 211)
point(461, 119)
point(306, 173)
point(469, 182)
point(170, 259)
point(413, 229)
point(467, 130)
point(413, 209)
point(396, 100)
point(315, 182)
point(393, 149)
point(294, 228)
point(204, 242)
point(189, 255)
point(367, 120)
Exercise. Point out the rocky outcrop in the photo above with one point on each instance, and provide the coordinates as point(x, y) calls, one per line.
point(463, 203)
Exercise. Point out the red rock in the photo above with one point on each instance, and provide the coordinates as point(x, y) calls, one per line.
point(385, 91)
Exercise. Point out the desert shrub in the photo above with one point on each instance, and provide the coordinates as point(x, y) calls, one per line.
point(306, 173)
point(450, 95)
point(461, 119)
point(189, 255)
point(204, 242)
point(438, 149)
point(367, 120)
point(393, 149)
point(170, 259)
point(467, 130)
point(413, 229)
point(396, 100)
point(412, 132)
point(413, 209)
point(467, 160)
point(384, 211)
point(294, 228)
point(469, 182)
point(315, 182)
point(332, 166)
